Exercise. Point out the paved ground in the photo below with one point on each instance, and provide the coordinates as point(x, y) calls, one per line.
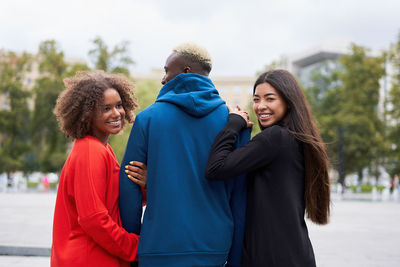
point(362, 233)
point(26, 221)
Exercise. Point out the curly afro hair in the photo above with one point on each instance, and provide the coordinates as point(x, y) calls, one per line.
point(84, 93)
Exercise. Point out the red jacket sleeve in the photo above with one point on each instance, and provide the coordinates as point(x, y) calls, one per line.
point(90, 185)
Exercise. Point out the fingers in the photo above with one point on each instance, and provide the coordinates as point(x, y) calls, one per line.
point(137, 172)
point(136, 177)
point(236, 110)
point(138, 164)
point(244, 114)
point(137, 181)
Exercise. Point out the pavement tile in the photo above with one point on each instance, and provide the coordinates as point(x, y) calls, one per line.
point(361, 233)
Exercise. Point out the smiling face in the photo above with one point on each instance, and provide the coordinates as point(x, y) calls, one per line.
point(268, 105)
point(109, 117)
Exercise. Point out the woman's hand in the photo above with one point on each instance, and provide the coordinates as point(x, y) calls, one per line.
point(137, 173)
point(242, 113)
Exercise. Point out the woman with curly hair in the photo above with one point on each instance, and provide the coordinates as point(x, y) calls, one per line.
point(87, 228)
point(287, 172)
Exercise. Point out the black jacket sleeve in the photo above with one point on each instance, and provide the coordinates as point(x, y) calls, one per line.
point(225, 162)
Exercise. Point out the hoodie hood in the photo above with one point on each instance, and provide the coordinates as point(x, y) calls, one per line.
point(195, 94)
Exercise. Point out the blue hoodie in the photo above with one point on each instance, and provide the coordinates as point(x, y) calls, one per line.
point(189, 221)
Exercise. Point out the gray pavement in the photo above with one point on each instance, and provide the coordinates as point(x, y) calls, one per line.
point(26, 222)
point(361, 233)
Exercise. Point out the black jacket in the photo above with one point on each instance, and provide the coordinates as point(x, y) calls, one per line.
point(276, 233)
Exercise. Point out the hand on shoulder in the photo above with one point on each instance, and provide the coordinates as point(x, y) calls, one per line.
point(237, 110)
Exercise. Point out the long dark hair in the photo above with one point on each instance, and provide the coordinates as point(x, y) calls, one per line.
point(300, 122)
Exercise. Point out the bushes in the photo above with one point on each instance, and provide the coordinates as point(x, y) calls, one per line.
point(366, 188)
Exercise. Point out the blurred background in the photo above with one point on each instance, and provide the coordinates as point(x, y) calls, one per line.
point(345, 54)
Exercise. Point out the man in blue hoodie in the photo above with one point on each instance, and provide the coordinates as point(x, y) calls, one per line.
point(189, 221)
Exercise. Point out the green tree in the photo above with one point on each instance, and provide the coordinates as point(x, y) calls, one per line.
point(50, 143)
point(362, 126)
point(14, 138)
point(326, 98)
point(345, 99)
point(115, 61)
point(394, 111)
point(74, 68)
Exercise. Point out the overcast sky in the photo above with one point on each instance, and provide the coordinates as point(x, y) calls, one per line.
point(242, 36)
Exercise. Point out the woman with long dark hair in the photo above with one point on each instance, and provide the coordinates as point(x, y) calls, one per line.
point(287, 172)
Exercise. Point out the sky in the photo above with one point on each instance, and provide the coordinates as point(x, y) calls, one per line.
point(241, 36)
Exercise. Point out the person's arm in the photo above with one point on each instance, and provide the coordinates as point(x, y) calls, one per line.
point(137, 173)
point(130, 194)
point(238, 208)
point(225, 161)
point(90, 187)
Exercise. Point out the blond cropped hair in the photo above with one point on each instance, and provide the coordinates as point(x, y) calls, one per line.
point(195, 54)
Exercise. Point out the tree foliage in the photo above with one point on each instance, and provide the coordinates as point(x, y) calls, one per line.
point(50, 143)
point(14, 138)
point(345, 101)
point(116, 60)
point(363, 128)
point(394, 111)
point(30, 140)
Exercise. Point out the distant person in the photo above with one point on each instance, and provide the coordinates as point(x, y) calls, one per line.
point(87, 229)
point(188, 221)
point(396, 182)
point(45, 184)
point(287, 172)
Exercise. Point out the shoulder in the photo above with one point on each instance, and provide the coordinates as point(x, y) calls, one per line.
point(156, 112)
point(89, 142)
point(147, 111)
point(150, 112)
point(89, 147)
point(275, 135)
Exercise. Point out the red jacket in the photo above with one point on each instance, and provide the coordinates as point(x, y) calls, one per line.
point(87, 227)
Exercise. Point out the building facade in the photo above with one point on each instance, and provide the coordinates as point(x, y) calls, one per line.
point(235, 90)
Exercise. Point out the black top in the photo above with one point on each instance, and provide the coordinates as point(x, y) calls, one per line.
point(276, 233)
